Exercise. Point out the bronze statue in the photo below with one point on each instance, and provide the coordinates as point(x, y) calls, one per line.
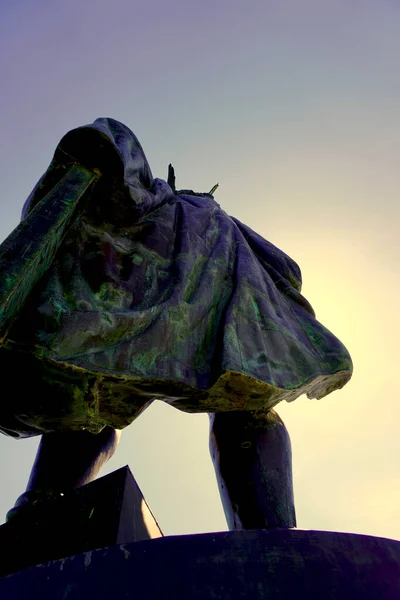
point(117, 289)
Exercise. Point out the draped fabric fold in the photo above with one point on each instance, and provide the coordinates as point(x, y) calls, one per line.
point(155, 293)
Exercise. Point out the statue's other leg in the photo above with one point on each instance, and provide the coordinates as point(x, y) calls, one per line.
point(70, 459)
point(252, 457)
point(66, 460)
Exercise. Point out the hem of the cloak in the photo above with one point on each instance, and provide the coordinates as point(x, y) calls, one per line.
point(75, 398)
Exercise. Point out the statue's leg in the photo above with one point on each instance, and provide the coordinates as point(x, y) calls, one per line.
point(69, 459)
point(252, 457)
point(64, 461)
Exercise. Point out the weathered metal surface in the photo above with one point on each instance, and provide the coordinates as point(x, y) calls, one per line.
point(158, 293)
point(252, 457)
point(29, 251)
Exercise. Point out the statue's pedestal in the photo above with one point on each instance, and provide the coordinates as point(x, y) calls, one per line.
point(106, 512)
point(280, 564)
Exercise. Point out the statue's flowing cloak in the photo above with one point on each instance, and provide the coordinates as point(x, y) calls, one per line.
point(158, 294)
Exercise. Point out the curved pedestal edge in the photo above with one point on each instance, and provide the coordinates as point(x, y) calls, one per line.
point(258, 564)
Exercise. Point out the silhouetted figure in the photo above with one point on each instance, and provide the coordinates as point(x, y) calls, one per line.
point(117, 290)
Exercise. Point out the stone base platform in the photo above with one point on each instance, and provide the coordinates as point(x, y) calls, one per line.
point(275, 564)
point(101, 541)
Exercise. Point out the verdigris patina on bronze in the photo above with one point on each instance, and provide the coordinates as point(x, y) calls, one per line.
point(117, 290)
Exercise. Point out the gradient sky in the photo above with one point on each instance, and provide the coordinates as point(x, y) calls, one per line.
point(293, 107)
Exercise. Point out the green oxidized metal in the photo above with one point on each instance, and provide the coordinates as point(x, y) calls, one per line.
point(116, 290)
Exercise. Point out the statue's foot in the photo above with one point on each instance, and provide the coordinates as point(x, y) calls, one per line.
point(29, 502)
